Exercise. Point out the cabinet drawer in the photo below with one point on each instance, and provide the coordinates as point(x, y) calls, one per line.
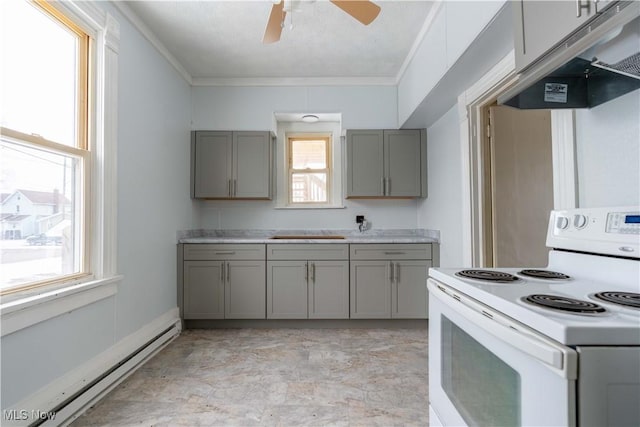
point(390, 251)
point(308, 251)
point(229, 252)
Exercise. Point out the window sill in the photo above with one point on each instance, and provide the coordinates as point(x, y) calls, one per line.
point(27, 311)
point(309, 207)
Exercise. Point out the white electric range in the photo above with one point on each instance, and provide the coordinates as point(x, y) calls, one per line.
point(552, 346)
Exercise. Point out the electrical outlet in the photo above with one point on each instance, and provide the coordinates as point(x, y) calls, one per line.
point(359, 219)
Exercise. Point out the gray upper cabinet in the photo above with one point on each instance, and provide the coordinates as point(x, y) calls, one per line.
point(386, 163)
point(231, 165)
point(540, 25)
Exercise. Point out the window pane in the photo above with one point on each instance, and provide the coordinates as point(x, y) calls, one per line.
point(39, 220)
point(39, 70)
point(307, 154)
point(308, 187)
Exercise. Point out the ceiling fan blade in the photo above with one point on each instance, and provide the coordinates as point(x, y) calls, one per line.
point(364, 11)
point(274, 25)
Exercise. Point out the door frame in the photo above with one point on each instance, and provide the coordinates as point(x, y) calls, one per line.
point(472, 105)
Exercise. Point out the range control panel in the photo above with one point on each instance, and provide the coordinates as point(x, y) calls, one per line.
point(611, 231)
point(623, 222)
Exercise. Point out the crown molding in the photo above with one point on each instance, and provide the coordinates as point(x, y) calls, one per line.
point(428, 22)
point(150, 36)
point(294, 81)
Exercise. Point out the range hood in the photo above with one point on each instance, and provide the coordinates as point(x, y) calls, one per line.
point(573, 76)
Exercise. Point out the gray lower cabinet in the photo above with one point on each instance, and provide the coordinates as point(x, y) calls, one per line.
point(244, 290)
point(224, 281)
point(307, 281)
point(370, 290)
point(390, 280)
point(203, 290)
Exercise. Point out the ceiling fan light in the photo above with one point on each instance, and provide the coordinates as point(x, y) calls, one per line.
point(310, 118)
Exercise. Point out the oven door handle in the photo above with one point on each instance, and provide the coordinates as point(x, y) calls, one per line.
point(561, 359)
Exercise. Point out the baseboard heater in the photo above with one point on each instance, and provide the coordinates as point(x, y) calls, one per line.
point(70, 409)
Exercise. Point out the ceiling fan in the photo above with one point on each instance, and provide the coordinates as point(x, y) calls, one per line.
point(364, 11)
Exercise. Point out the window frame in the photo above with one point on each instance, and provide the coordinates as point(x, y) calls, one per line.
point(79, 150)
point(327, 138)
point(21, 310)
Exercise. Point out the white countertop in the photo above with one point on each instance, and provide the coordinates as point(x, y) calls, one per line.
point(350, 236)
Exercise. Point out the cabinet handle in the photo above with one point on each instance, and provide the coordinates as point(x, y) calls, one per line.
point(382, 185)
point(397, 272)
point(394, 253)
point(235, 187)
point(313, 272)
point(391, 272)
point(580, 6)
point(306, 272)
point(228, 272)
point(226, 253)
point(230, 188)
point(388, 186)
point(222, 272)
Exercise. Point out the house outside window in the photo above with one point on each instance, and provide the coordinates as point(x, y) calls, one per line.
point(309, 171)
point(44, 147)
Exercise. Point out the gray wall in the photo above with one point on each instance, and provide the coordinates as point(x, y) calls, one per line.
point(608, 153)
point(442, 210)
point(153, 202)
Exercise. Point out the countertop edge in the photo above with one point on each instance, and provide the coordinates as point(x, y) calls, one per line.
point(266, 236)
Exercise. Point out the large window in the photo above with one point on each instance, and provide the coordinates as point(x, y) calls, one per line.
point(44, 149)
point(309, 178)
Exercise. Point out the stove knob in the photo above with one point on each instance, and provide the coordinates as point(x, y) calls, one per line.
point(579, 221)
point(562, 222)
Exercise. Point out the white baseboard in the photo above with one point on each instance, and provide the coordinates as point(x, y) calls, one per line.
point(118, 362)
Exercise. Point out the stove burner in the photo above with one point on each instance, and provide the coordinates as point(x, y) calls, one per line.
point(556, 302)
point(488, 275)
point(629, 299)
point(544, 274)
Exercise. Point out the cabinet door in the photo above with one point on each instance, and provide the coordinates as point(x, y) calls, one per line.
point(287, 290)
point(251, 165)
point(245, 290)
point(211, 164)
point(402, 155)
point(409, 297)
point(328, 289)
point(370, 293)
point(540, 25)
point(203, 296)
point(365, 163)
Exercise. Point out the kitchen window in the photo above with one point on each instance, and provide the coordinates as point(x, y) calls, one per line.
point(309, 169)
point(58, 62)
point(44, 147)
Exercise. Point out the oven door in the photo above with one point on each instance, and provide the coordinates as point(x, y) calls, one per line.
point(486, 369)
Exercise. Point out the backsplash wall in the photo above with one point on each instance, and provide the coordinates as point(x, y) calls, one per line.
point(246, 215)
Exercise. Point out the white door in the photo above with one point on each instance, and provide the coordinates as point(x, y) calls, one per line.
point(521, 185)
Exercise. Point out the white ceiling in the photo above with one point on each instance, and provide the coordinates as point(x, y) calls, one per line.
point(221, 41)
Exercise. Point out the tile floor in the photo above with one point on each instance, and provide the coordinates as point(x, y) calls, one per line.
point(276, 377)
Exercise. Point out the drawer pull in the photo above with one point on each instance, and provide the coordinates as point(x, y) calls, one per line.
point(226, 253)
point(394, 253)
